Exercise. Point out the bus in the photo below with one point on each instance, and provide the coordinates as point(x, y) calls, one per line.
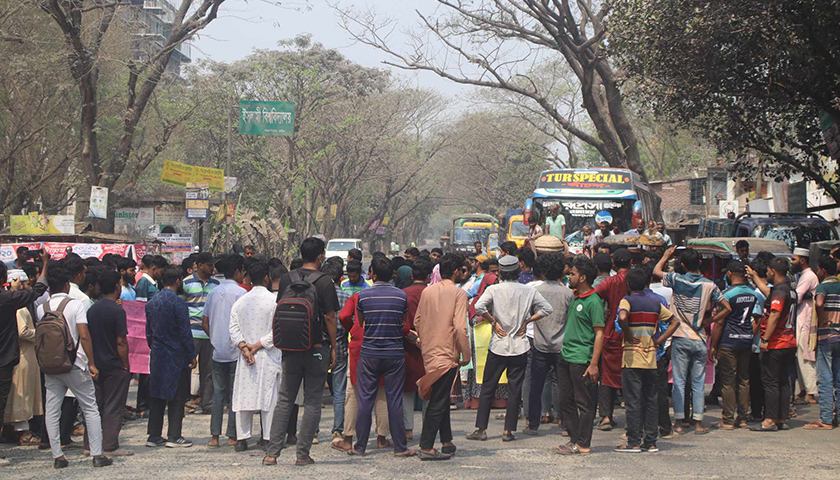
point(591, 196)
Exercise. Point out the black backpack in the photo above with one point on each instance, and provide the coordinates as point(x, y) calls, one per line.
point(297, 319)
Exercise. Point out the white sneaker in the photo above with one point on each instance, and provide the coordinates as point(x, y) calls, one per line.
point(180, 442)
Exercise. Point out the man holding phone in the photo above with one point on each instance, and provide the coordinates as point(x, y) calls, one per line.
point(10, 302)
point(23, 256)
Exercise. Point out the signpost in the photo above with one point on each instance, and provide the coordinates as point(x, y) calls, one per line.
point(266, 118)
point(181, 174)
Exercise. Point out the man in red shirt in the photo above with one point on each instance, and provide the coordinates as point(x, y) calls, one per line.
point(612, 290)
point(778, 346)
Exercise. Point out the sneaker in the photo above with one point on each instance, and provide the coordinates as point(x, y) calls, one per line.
point(156, 442)
point(179, 442)
point(650, 449)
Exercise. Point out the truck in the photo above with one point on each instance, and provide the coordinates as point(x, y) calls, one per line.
point(469, 228)
point(795, 229)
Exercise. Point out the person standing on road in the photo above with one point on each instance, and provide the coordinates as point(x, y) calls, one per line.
point(827, 302)
point(196, 288)
point(639, 315)
point(441, 322)
point(172, 356)
point(108, 334)
point(80, 379)
point(354, 283)
point(145, 290)
point(731, 345)
point(216, 324)
point(258, 369)
point(382, 312)
point(126, 268)
point(547, 336)
point(420, 273)
point(508, 307)
point(806, 287)
point(778, 346)
point(693, 298)
point(612, 290)
point(339, 371)
point(10, 302)
point(309, 367)
point(577, 371)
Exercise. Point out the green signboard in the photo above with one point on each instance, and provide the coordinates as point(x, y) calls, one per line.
point(266, 118)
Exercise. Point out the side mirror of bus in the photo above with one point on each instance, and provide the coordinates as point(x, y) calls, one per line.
point(527, 210)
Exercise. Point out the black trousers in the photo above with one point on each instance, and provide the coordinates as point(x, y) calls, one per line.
point(576, 393)
point(111, 393)
point(606, 401)
point(436, 419)
point(541, 364)
point(5, 388)
point(143, 383)
point(756, 387)
point(776, 369)
point(663, 392)
point(176, 410)
point(67, 421)
point(642, 410)
point(493, 369)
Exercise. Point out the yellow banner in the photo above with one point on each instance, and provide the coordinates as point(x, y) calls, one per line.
point(34, 224)
point(180, 174)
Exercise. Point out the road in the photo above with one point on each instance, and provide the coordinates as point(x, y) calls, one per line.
point(736, 454)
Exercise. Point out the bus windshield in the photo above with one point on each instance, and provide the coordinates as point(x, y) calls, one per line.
point(581, 212)
point(468, 236)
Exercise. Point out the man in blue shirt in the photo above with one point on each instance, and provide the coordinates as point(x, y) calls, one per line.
point(382, 312)
point(127, 268)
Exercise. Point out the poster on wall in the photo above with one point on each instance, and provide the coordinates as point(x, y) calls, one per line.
point(35, 224)
point(98, 202)
point(176, 246)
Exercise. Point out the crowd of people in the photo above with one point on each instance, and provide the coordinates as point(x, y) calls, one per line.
point(548, 337)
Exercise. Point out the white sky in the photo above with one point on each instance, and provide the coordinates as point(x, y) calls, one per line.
point(243, 26)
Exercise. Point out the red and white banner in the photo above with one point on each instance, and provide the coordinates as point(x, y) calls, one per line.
point(84, 250)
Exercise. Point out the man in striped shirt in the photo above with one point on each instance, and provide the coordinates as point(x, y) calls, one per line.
point(196, 287)
point(827, 302)
point(638, 315)
point(381, 312)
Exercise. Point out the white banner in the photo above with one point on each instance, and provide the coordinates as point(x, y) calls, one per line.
point(98, 202)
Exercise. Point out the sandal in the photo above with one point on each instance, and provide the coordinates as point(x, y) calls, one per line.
point(387, 444)
point(569, 449)
point(28, 440)
point(818, 425)
point(268, 463)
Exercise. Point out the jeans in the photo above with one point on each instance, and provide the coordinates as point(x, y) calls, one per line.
point(688, 357)
point(204, 349)
point(80, 383)
point(639, 386)
point(828, 374)
point(339, 377)
point(436, 417)
point(493, 369)
point(576, 394)
point(176, 410)
point(309, 367)
point(663, 393)
point(223, 376)
point(776, 368)
point(541, 365)
point(734, 373)
point(392, 371)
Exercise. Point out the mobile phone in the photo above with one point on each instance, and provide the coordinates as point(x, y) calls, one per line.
point(33, 254)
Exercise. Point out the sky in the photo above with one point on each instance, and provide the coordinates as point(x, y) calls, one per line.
point(243, 26)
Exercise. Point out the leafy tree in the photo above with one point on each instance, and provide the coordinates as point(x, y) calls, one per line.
point(751, 76)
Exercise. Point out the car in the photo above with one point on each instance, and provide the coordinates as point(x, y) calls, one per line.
point(338, 247)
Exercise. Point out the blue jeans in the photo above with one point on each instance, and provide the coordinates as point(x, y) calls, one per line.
point(828, 379)
point(339, 377)
point(688, 357)
point(223, 374)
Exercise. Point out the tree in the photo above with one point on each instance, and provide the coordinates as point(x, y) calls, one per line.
point(488, 43)
point(85, 26)
point(751, 76)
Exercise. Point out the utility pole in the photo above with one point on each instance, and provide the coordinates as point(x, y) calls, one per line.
point(229, 173)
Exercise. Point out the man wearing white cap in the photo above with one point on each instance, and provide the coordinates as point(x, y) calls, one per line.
point(806, 286)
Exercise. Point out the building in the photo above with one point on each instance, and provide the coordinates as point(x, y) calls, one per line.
point(150, 22)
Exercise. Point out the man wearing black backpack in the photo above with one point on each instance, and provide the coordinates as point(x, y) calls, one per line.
point(10, 302)
point(304, 330)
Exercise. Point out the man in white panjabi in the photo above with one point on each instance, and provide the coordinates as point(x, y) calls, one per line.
point(258, 371)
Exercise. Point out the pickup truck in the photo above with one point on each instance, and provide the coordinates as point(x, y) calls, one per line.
point(795, 229)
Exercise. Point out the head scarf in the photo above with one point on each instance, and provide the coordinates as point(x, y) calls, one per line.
point(404, 277)
point(489, 279)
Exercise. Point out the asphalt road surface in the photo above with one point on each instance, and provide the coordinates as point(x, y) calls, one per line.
point(796, 453)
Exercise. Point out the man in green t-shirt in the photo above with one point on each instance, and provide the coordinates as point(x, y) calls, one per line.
point(578, 365)
point(556, 223)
